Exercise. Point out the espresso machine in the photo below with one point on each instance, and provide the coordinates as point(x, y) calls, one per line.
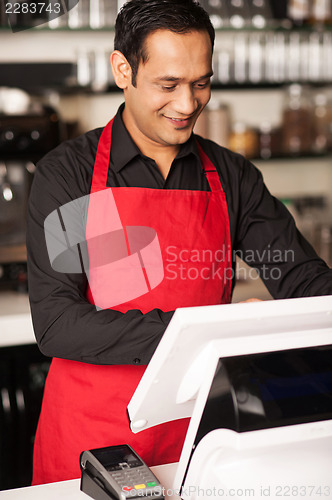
point(25, 137)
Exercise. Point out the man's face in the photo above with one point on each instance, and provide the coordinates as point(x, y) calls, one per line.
point(172, 88)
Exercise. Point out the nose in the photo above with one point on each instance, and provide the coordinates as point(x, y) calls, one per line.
point(186, 101)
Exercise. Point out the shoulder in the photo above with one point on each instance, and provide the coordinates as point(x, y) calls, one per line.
point(74, 153)
point(71, 162)
point(65, 173)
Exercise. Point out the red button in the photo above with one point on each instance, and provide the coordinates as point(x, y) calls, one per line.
point(127, 488)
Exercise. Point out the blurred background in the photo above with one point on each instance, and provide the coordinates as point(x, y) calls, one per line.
point(271, 102)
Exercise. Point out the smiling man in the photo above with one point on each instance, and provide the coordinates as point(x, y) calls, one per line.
point(171, 89)
point(202, 203)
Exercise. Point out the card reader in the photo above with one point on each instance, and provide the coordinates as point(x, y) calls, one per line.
point(117, 472)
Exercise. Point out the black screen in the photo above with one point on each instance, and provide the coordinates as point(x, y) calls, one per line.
point(268, 390)
point(114, 455)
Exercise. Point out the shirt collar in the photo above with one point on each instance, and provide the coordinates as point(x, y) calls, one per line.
point(124, 148)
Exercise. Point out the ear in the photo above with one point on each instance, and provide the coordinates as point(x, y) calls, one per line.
point(121, 69)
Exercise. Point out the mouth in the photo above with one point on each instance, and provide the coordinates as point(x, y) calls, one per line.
point(179, 123)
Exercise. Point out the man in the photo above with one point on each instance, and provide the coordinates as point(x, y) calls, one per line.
point(201, 204)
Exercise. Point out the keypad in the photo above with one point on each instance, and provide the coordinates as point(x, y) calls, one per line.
point(137, 478)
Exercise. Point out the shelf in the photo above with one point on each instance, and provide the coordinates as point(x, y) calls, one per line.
point(266, 85)
point(106, 29)
point(36, 75)
point(69, 90)
point(284, 26)
point(112, 89)
point(293, 158)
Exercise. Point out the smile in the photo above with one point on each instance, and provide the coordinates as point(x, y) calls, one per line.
point(184, 122)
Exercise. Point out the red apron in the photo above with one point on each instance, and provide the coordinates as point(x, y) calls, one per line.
point(85, 405)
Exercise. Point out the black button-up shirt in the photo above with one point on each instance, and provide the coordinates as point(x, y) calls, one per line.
point(262, 232)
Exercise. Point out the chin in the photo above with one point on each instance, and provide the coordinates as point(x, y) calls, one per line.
point(181, 137)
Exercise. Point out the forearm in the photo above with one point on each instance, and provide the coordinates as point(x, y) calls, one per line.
point(67, 326)
point(77, 331)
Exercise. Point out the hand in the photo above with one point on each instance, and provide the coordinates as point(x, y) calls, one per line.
point(250, 300)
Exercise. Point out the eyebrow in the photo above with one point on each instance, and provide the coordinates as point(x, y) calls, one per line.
point(168, 78)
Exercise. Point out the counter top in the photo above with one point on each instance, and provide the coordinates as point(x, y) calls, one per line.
point(70, 490)
point(15, 320)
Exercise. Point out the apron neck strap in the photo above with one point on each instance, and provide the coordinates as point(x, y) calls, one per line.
point(209, 170)
point(102, 161)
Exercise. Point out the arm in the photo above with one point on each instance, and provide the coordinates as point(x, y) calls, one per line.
point(65, 324)
point(268, 240)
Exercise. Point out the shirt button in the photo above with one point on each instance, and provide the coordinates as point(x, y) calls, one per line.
point(137, 361)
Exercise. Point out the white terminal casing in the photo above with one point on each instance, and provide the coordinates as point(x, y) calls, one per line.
point(177, 381)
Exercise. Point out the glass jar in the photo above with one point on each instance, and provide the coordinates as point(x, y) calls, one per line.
point(321, 11)
point(297, 122)
point(218, 122)
point(299, 11)
point(321, 124)
point(269, 141)
point(244, 140)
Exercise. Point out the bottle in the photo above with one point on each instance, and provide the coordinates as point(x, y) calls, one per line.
point(224, 66)
point(241, 58)
point(110, 13)
point(293, 67)
point(321, 12)
point(329, 120)
point(320, 124)
point(218, 115)
point(239, 14)
point(269, 141)
point(69, 11)
point(316, 62)
point(255, 69)
point(85, 62)
point(297, 122)
point(327, 56)
point(101, 76)
point(260, 13)
point(78, 17)
point(299, 11)
point(97, 19)
point(217, 10)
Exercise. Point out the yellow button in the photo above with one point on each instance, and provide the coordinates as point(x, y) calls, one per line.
point(139, 486)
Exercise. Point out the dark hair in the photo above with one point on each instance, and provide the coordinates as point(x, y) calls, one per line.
point(138, 18)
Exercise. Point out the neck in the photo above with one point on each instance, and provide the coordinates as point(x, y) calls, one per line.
point(164, 163)
point(162, 154)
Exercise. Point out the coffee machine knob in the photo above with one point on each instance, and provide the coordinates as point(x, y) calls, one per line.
point(8, 136)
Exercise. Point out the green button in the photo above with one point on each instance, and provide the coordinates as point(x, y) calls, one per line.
point(151, 484)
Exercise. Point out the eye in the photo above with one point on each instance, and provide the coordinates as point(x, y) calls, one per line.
point(168, 88)
point(202, 85)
